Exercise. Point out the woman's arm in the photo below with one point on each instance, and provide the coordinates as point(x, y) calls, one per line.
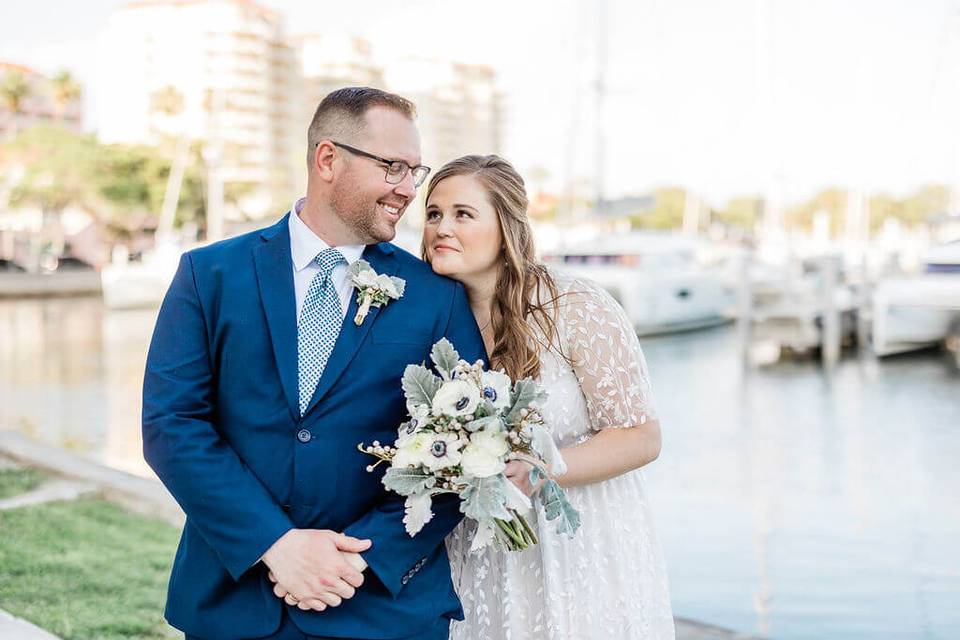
point(610, 453)
point(607, 360)
point(606, 454)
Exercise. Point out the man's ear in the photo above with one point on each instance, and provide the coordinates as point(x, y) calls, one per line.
point(324, 157)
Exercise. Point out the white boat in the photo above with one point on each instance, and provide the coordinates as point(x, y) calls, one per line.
point(132, 285)
point(915, 312)
point(657, 278)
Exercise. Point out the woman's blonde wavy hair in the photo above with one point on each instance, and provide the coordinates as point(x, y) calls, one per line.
point(522, 281)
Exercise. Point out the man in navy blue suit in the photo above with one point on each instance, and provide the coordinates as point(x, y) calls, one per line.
point(259, 386)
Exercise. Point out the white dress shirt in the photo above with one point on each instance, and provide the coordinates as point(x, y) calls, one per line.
point(304, 247)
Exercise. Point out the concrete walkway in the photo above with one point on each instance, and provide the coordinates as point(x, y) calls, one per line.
point(13, 628)
point(54, 490)
point(140, 495)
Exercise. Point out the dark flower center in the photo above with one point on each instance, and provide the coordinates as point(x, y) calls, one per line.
point(490, 394)
point(462, 403)
point(412, 426)
point(439, 449)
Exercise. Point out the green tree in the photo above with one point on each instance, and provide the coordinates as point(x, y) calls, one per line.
point(742, 212)
point(132, 182)
point(167, 101)
point(56, 169)
point(59, 169)
point(883, 206)
point(117, 184)
point(923, 203)
point(64, 90)
point(832, 200)
point(914, 209)
point(667, 211)
point(14, 89)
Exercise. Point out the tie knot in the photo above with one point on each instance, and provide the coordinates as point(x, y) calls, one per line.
point(328, 259)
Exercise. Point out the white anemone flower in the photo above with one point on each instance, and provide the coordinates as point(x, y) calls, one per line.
point(456, 398)
point(496, 388)
point(443, 451)
point(419, 416)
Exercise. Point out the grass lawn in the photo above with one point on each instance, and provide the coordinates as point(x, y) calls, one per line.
point(17, 481)
point(86, 570)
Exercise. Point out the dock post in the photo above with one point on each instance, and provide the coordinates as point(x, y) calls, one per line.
point(745, 304)
point(830, 332)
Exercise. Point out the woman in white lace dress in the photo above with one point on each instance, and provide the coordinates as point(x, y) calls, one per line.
point(609, 581)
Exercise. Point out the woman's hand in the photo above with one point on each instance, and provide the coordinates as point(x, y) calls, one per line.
point(518, 472)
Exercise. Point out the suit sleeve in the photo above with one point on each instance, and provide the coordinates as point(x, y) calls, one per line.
point(227, 504)
point(395, 556)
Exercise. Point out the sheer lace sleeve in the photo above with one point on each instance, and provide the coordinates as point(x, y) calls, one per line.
point(606, 355)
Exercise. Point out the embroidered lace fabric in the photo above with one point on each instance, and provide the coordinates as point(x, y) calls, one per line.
point(609, 582)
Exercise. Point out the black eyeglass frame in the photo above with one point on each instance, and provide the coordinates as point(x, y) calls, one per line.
point(419, 172)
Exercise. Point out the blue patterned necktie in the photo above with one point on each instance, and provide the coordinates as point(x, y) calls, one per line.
point(319, 325)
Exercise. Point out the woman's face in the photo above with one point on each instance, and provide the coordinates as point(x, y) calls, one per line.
point(462, 232)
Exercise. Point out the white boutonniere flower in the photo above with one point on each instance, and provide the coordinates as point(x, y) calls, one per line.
point(373, 289)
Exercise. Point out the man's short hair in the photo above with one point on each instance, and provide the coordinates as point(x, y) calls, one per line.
point(340, 115)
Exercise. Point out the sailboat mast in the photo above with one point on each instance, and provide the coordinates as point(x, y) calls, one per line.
point(600, 98)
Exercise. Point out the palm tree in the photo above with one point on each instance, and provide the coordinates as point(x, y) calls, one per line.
point(65, 91)
point(14, 89)
point(169, 102)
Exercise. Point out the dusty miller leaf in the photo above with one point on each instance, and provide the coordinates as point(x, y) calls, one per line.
point(557, 507)
point(419, 384)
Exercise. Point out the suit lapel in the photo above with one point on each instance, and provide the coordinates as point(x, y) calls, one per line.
point(351, 336)
point(274, 267)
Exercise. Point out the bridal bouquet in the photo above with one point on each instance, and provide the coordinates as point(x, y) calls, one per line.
point(465, 424)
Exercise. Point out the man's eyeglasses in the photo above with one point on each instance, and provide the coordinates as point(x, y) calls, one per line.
point(396, 170)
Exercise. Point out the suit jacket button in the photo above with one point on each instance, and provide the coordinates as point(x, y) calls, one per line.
point(304, 435)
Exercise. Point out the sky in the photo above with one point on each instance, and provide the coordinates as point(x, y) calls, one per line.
point(726, 97)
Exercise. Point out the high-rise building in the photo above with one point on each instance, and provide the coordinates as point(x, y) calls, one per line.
point(220, 72)
point(460, 107)
point(331, 61)
point(328, 62)
point(224, 73)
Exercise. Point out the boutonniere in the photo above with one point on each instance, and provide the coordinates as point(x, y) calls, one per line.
point(373, 289)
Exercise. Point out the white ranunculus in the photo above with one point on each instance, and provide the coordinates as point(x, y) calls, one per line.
point(411, 452)
point(456, 398)
point(443, 450)
point(477, 463)
point(496, 388)
point(483, 457)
